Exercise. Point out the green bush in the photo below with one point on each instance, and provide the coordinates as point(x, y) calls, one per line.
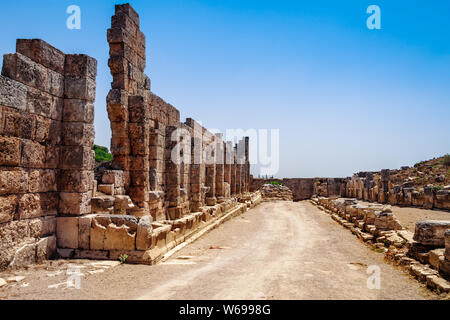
point(275, 183)
point(447, 160)
point(102, 154)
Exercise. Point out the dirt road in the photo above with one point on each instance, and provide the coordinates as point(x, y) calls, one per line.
point(278, 250)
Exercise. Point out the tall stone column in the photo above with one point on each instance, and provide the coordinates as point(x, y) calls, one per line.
point(139, 134)
point(247, 165)
point(229, 160)
point(233, 171)
point(173, 177)
point(210, 178)
point(77, 155)
point(220, 167)
point(195, 168)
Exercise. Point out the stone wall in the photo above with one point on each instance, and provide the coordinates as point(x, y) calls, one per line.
point(369, 186)
point(167, 180)
point(380, 187)
point(46, 140)
point(305, 188)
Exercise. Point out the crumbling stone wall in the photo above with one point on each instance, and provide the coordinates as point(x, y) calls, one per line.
point(143, 127)
point(46, 140)
point(379, 187)
point(146, 202)
point(305, 188)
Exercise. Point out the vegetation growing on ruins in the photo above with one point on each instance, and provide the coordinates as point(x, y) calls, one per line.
point(102, 154)
point(275, 183)
point(446, 160)
point(123, 258)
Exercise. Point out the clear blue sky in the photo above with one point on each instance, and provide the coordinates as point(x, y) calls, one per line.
point(345, 98)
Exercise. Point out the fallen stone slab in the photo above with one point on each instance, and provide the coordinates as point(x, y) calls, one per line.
point(421, 272)
point(3, 282)
point(15, 279)
point(435, 256)
point(431, 232)
point(438, 284)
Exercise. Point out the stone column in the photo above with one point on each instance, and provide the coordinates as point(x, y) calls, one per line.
point(229, 160)
point(234, 172)
point(210, 178)
point(139, 166)
point(220, 167)
point(173, 177)
point(77, 156)
point(195, 169)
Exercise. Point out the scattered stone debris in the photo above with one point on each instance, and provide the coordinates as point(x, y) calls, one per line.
point(425, 254)
point(276, 192)
point(15, 279)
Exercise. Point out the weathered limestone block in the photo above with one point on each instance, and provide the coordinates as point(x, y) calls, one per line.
point(76, 181)
point(80, 65)
point(49, 203)
point(106, 189)
point(370, 216)
point(67, 232)
point(119, 238)
point(9, 151)
point(79, 88)
point(42, 130)
point(74, 204)
point(33, 154)
point(442, 200)
point(41, 52)
point(97, 234)
point(428, 197)
point(122, 204)
point(13, 180)
point(44, 104)
point(45, 248)
point(25, 256)
point(76, 110)
point(102, 204)
point(20, 68)
point(48, 226)
point(431, 232)
point(8, 208)
point(435, 257)
point(129, 11)
point(47, 181)
point(13, 94)
point(78, 134)
point(417, 198)
point(112, 232)
point(144, 234)
point(21, 124)
point(77, 157)
point(29, 206)
point(386, 221)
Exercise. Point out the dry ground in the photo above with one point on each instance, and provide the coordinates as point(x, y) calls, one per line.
point(409, 216)
point(278, 250)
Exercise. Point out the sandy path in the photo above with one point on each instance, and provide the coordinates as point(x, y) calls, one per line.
point(278, 250)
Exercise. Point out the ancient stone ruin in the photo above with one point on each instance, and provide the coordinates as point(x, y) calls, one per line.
point(394, 187)
point(273, 191)
point(52, 205)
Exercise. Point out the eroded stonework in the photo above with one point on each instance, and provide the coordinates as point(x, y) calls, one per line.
point(51, 204)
